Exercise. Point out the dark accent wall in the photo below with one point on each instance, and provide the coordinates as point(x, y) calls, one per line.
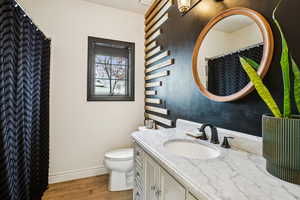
point(181, 95)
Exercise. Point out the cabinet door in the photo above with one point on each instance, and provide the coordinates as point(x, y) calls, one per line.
point(170, 189)
point(151, 179)
point(138, 190)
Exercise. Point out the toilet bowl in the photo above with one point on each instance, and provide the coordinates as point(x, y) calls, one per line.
point(120, 165)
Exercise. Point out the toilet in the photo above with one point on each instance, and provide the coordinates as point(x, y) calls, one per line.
point(120, 165)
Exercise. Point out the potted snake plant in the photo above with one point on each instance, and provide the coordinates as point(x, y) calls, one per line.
point(281, 131)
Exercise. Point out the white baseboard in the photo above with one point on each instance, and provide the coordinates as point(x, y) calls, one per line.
point(77, 174)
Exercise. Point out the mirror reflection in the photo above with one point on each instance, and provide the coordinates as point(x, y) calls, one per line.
point(218, 65)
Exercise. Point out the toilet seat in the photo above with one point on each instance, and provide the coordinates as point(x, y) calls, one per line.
point(120, 154)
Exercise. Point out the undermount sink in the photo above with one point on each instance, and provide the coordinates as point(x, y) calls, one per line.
point(191, 149)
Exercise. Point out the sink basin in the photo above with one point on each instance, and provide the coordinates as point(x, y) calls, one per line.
point(191, 149)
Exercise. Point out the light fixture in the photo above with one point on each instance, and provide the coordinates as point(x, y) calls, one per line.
point(184, 5)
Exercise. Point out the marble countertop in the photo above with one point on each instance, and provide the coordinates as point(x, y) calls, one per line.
point(234, 175)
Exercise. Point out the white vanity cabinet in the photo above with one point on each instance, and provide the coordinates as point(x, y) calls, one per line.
point(170, 188)
point(152, 182)
point(139, 174)
point(151, 179)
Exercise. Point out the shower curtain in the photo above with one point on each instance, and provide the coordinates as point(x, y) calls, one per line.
point(24, 105)
point(226, 75)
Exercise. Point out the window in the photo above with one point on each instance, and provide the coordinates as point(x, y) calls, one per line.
point(110, 70)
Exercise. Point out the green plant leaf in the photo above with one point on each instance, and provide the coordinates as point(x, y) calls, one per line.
point(296, 72)
point(253, 63)
point(262, 90)
point(285, 66)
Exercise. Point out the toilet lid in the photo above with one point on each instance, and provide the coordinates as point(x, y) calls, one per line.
point(120, 154)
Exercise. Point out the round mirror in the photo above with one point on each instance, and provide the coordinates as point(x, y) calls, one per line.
point(234, 33)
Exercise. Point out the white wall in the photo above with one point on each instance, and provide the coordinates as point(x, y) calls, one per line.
point(247, 36)
point(80, 131)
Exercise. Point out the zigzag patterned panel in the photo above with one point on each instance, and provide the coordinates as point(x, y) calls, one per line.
point(155, 11)
point(24, 106)
point(153, 37)
point(153, 84)
point(160, 65)
point(151, 100)
point(157, 109)
point(157, 75)
point(159, 15)
point(156, 58)
point(150, 92)
point(153, 52)
point(159, 119)
point(150, 46)
point(157, 24)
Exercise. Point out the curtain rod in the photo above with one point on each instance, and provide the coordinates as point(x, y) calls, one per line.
point(229, 53)
point(17, 4)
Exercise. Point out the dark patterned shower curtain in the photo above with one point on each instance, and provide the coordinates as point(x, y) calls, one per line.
point(226, 75)
point(24, 105)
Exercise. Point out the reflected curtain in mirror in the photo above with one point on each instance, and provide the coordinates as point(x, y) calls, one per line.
point(226, 75)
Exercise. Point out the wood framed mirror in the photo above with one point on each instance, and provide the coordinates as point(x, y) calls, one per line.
point(215, 64)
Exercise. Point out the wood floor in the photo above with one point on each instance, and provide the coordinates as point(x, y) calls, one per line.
point(94, 188)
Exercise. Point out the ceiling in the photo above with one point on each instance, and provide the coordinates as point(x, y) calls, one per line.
point(233, 23)
point(137, 6)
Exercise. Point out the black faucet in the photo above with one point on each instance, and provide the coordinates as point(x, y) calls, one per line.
point(214, 133)
point(225, 143)
point(203, 136)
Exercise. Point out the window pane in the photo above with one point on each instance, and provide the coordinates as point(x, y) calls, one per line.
point(111, 75)
point(121, 88)
point(101, 58)
point(119, 72)
point(110, 87)
point(120, 61)
point(100, 71)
